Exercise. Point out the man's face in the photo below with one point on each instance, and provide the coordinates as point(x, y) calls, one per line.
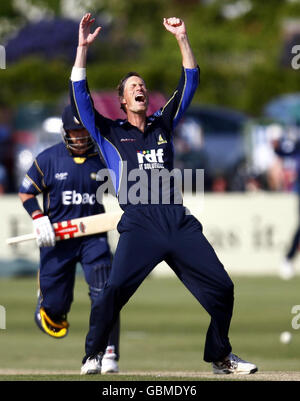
point(135, 96)
point(79, 141)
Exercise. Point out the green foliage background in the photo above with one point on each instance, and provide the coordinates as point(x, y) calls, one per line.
point(239, 58)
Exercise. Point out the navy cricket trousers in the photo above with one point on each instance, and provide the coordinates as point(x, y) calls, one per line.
point(57, 275)
point(150, 234)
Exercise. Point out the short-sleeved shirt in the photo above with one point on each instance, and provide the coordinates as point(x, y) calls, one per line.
point(68, 183)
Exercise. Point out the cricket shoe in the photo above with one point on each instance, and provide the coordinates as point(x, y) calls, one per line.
point(109, 361)
point(286, 271)
point(233, 364)
point(91, 366)
point(55, 327)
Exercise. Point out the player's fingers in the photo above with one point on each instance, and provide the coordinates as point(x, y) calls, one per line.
point(96, 33)
point(176, 22)
point(173, 21)
point(166, 22)
point(84, 19)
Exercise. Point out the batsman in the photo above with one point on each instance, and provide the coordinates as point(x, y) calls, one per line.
point(65, 174)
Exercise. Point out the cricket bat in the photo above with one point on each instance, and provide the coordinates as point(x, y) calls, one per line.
point(95, 224)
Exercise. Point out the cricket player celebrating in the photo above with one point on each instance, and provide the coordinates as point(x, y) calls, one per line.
point(151, 232)
point(66, 176)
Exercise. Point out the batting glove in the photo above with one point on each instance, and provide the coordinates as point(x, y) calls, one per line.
point(43, 230)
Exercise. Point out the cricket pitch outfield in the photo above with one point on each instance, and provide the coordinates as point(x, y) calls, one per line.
point(162, 335)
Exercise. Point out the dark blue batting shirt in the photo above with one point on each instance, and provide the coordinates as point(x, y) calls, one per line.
point(68, 183)
point(138, 161)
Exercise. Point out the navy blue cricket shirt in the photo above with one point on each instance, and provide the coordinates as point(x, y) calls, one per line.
point(68, 183)
point(127, 151)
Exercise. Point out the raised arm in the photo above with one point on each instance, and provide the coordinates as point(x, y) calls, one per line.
point(82, 104)
point(172, 112)
point(85, 39)
point(177, 27)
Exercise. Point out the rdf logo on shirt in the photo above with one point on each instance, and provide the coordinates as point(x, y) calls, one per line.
point(150, 159)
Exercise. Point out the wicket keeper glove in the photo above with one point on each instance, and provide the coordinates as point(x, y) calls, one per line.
point(43, 230)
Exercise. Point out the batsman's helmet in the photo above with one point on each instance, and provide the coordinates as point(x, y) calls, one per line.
point(71, 123)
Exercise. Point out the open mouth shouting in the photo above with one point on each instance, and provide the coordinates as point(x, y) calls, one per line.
point(140, 98)
point(135, 95)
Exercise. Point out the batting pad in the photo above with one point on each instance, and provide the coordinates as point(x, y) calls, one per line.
point(53, 329)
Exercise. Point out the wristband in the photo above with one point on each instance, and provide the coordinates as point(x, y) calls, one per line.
point(31, 205)
point(78, 74)
point(37, 216)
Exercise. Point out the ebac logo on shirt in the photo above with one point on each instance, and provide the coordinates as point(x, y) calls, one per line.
point(150, 159)
point(76, 198)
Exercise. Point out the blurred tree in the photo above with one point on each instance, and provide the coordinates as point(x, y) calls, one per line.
point(7, 9)
point(239, 56)
point(50, 39)
point(47, 38)
point(53, 5)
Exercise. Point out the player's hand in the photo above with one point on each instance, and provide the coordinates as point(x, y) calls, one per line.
point(175, 25)
point(85, 36)
point(43, 229)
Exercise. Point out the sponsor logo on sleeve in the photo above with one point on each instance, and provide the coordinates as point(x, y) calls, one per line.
point(26, 183)
point(61, 176)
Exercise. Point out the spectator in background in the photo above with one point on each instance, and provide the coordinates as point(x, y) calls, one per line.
point(3, 179)
point(5, 148)
point(189, 151)
point(266, 170)
point(288, 149)
point(219, 183)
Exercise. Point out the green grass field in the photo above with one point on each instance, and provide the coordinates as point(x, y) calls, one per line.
point(163, 331)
